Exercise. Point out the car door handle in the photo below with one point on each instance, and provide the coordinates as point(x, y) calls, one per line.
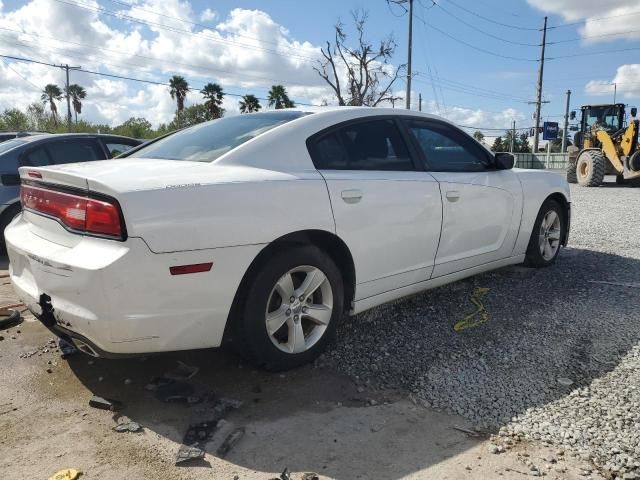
point(453, 195)
point(351, 196)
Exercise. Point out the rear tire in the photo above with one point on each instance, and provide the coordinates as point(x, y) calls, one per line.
point(278, 309)
point(590, 168)
point(546, 236)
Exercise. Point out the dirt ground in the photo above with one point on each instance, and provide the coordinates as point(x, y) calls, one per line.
point(308, 420)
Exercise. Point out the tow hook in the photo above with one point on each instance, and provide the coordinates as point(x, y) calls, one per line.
point(46, 317)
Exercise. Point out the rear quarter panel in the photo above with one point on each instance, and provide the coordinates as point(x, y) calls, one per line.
point(232, 213)
point(537, 186)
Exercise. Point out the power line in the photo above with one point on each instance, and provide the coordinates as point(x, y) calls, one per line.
point(488, 52)
point(20, 75)
point(472, 26)
point(475, 14)
point(616, 50)
point(593, 36)
point(476, 91)
point(472, 93)
point(123, 77)
point(562, 25)
point(193, 66)
point(152, 82)
point(489, 129)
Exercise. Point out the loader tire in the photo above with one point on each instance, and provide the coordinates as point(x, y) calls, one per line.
point(572, 176)
point(590, 168)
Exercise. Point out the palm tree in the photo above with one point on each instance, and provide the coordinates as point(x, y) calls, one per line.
point(77, 93)
point(249, 103)
point(178, 88)
point(50, 93)
point(214, 95)
point(278, 97)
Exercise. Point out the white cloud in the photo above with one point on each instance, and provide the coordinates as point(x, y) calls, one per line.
point(626, 79)
point(603, 21)
point(208, 15)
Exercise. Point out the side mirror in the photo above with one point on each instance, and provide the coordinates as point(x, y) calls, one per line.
point(504, 161)
point(634, 111)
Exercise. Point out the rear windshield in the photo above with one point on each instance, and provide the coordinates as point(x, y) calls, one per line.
point(208, 141)
point(9, 144)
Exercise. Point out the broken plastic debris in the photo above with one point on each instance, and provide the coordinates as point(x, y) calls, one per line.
point(310, 476)
point(132, 427)
point(231, 440)
point(565, 382)
point(67, 348)
point(174, 392)
point(472, 319)
point(182, 372)
point(66, 474)
point(186, 454)
point(103, 403)
point(285, 475)
point(157, 382)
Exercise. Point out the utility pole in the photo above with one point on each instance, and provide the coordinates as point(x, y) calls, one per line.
point(66, 67)
point(409, 46)
point(539, 89)
point(566, 123)
point(408, 104)
point(419, 102)
point(615, 90)
point(513, 135)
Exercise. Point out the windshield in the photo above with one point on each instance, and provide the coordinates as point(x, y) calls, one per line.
point(208, 141)
point(602, 117)
point(9, 144)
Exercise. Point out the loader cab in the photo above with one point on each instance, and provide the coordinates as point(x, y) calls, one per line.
point(609, 117)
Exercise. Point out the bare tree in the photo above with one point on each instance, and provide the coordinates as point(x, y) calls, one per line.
point(368, 69)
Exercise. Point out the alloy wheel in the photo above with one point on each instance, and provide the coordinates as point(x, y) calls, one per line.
point(549, 236)
point(299, 309)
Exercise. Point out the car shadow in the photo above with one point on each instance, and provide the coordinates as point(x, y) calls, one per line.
point(350, 419)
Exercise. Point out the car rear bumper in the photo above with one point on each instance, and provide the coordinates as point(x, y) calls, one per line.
point(119, 298)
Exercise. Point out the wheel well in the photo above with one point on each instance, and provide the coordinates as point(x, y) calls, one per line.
point(562, 200)
point(329, 243)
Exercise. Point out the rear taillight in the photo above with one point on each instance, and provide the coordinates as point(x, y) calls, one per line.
point(79, 213)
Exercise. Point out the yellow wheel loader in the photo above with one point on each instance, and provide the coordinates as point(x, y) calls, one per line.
point(605, 144)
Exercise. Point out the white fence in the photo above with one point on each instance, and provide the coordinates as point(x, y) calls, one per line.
point(551, 161)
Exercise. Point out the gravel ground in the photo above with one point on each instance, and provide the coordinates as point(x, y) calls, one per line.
point(558, 359)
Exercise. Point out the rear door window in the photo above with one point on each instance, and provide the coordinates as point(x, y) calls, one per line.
point(367, 145)
point(75, 150)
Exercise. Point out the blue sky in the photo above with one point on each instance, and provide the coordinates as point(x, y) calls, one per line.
point(456, 76)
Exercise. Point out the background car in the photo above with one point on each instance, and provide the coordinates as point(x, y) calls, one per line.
point(4, 136)
point(269, 227)
point(49, 149)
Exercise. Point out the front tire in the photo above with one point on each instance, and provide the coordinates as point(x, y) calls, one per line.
point(590, 168)
point(291, 309)
point(547, 234)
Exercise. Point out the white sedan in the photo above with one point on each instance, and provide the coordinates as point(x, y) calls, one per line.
point(268, 227)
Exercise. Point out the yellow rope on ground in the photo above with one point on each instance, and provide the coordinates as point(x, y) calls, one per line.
point(480, 314)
